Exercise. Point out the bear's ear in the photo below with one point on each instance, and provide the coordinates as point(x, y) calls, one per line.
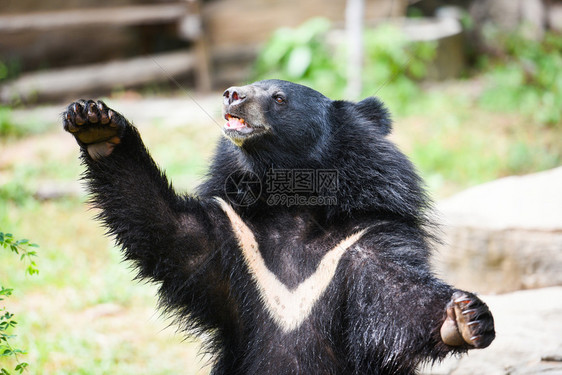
point(374, 111)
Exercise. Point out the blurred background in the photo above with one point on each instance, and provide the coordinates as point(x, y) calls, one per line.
point(474, 87)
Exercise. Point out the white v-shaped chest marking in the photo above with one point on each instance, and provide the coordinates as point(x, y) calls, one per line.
point(288, 308)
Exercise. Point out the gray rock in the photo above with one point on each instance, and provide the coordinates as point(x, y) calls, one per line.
point(531, 202)
point(505, 235)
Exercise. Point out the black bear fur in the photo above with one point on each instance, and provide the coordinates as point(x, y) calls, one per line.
point(383, 310)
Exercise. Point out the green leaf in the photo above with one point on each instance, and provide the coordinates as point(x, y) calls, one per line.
point(299, 61)
point(21, 367)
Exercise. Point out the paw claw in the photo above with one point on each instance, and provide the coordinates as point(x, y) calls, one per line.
point(470, 312)
point(104, 116)
point(92, 113)
point(78, 118)
point(111, 116)
point(69, 126)
point(462, 299)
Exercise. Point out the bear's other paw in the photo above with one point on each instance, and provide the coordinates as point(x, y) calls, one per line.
point(95, 126)
point(469, 322)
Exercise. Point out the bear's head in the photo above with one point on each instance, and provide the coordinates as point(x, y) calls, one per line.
point(275, 115)
point(273, 111)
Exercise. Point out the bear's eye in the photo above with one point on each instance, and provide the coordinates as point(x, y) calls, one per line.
point(279, 99)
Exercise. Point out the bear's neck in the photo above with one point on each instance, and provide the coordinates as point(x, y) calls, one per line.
point(373, 178)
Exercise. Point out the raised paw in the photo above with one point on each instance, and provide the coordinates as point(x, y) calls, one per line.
point(469, 322)
point(95, 126)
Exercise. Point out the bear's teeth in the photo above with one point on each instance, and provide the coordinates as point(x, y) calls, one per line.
point(235, 123)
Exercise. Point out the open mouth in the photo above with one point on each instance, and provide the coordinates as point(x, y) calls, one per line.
point(237, 124)
point(237, 127)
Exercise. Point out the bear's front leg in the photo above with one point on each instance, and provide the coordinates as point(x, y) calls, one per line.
point(96, 127)
point(171, 239)
point(469, 322)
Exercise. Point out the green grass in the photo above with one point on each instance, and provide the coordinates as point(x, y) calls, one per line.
point(455, 143)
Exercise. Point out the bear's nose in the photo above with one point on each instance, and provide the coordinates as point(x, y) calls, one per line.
point(234, 95)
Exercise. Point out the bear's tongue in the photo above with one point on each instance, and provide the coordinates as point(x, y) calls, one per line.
point(235, 123)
